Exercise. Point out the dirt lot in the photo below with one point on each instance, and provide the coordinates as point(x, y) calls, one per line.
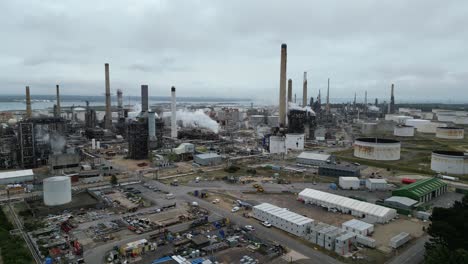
point(122, 199)
point(234, 255)
point(383, 233)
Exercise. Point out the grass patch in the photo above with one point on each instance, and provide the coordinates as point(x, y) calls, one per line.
point(13, 248)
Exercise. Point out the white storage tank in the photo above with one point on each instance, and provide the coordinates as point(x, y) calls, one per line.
point(450, 132)
point(450, 162)
point(277, 145)
point(295, 141)
point(377, 149)
point(417, 123)
point(403, 131)
point(431, 127)
point(349, 183)
point(57, 190)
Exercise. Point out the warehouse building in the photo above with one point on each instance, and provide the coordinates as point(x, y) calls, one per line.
point(422, 190)
point(208, 159)
point(314, 159)
point(19, 176)
point(358, 227)
point(349, 183)
point(376, 184)
point(333, 170)
point(282, 218)
point(372, 212)
point(401, 202)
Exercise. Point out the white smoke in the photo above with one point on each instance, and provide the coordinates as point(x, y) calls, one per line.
point(135, 111)
point(57, 143)
point(293, 106)
point(195, 119)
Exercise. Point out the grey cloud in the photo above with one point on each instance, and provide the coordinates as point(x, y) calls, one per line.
point(232, 48)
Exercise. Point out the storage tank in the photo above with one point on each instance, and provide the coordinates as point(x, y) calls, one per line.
point(450, 132)
point(431, 127)
point(368, 128)
point(377, 148)
point(461, 120)
point(57, 190)
point(277, 145)
point(447, 116)
point(403, 131)
point(416, 123)
point(450, 162)
point(295, 141)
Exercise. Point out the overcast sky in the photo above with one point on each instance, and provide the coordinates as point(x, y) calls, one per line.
point(232, 48)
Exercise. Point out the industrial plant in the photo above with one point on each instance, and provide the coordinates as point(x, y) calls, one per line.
point(174, 181)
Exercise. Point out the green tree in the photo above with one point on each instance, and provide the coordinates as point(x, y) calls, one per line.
point(448, 231)
point(113, 180)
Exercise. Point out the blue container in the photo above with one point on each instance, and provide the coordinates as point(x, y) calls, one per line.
point(333, 186)
point(195, 193)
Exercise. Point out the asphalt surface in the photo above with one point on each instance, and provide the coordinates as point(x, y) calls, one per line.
point(413, 254)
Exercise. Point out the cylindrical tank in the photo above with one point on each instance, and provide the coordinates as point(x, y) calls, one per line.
point(295, 141)
point(447, 116)
point(369, 128)
point(57, 190)
point(461, 120)
point(277, 145)
point(151, 125)
point(431, 127)
point(403, 131)
point(417, 123)
point(450, 162)
point(450, 132)
point(377, 148)
point(93, 143)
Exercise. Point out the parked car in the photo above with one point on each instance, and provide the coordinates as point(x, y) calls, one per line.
point(235, 209)
point(266, 224)
point(249, 227)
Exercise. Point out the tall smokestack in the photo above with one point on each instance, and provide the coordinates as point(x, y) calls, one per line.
point(28, 103)
point(282, 95)
point(151, 126)
point(289, 91)
point(144, 98)
point(174, 114)
point(328, 97)
point(391, 106)
point(120, 104)
point(108, 118)
point(58, 110)
point(304, 91)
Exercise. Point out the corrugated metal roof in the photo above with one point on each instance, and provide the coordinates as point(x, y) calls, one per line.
point(314, 156)
point(208, 155)
point(17, 173)
point(283, 213)
point(377, 180)
point(357, 225)
point(403, 200)
point(420, 188)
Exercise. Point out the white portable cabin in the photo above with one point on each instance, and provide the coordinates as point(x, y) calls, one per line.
point(282, 218)
point(358, 227)
point(376, 184)
point(349, 183)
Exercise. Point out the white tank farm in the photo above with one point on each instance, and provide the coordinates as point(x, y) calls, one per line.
point(277, 145)
point(450, 162)
point(57, 190)
point(399, 119)
point(450, 132)
point(377, 149)
point(295, 141)
point(417, 123)
point(431, 127)
point(403, 131)
point(368, 128)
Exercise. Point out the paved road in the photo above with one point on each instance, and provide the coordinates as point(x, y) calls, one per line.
point(413, 254)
